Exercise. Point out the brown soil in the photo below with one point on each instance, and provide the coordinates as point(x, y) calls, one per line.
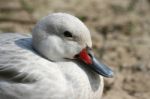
point(120, 31)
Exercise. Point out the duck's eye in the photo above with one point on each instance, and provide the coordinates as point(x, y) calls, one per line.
point(67, 34)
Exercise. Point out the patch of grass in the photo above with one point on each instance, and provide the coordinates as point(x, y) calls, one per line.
point(7, 29)
point(82, 18)
point(26, 6)
point(132, 5)
point(121, 9)
point(118, 9)
point(129, 28)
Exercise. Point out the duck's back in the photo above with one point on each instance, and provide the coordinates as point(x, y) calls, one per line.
point(26, 75)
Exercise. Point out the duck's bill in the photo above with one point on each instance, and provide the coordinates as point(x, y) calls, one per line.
point(88, 58)
point(101, 68)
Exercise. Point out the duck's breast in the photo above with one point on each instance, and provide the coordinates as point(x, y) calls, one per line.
point(83, 82)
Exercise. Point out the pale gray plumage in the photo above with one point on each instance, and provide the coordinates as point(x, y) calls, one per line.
point(30, 72)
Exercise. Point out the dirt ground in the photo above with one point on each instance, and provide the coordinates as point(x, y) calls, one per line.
point(120, 32)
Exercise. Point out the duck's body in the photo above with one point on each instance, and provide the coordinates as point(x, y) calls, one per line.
point(56, 62)
point(25, 74)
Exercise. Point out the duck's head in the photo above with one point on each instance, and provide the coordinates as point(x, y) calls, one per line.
point(61, 36)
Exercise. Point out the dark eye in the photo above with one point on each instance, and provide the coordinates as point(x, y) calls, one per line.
point(67, 34)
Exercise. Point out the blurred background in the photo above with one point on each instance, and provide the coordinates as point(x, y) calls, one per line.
point(120, 32)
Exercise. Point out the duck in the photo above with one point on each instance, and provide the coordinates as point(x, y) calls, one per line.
point(55, 62)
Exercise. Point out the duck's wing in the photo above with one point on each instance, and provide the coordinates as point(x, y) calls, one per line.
point(13, 57)
point(26, 75)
